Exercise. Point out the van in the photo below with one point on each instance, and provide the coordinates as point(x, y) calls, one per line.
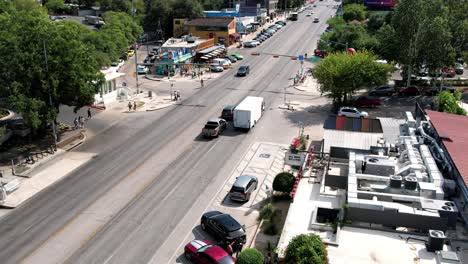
point(222, 62)
point(248, 112)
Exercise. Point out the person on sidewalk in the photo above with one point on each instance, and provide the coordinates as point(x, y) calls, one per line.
point(89, 113)
point(81, 121)
point(75, 122)
point(201, 82)
point(134, 106)
point(129, 106)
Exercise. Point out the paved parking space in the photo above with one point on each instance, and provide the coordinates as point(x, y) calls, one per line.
point(263, 160)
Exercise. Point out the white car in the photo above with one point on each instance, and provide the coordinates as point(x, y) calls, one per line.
point(141, 69)
point(251, 44)
point(216, 68)
point(352, 112)
point(222, 62)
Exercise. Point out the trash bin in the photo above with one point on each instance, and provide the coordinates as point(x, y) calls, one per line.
point(150, 94)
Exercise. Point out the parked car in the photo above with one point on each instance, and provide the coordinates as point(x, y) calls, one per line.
point(118, 64)
point(309, 14)
point(222, 62)
point(278, 26)
point(141, 69)
point(262, 37)
point(271, 31)
point(436, 90)
point(382, 90)
point(237, 56)
point(251, 44)
point(316, 20)
point(216, 68)
point(320, 53)
point(459, 68)
point(367, 101)
point(409, 91)
point(214, 127)
point(204, 251)
point(268, 34)
point(448, 72)
point(281, 22)
point(244, 70)
point(223, 227)
point(243, 188)
point(258, 39)
point(231, 58)
point(130, 52)
point(351, 112)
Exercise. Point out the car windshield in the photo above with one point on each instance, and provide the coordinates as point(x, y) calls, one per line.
point(204, 248)
point(211, 125)
point(239, 233)
point(226, 260)
point(237, 189)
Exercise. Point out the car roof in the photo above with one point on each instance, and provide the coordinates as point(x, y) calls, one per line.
point(242, 180)
point(348, 107)
point(215, 119)
point(228, 222)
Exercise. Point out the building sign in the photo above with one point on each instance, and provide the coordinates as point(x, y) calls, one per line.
point(294, 159)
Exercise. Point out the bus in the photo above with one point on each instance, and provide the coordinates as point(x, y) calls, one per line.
point(294, 16)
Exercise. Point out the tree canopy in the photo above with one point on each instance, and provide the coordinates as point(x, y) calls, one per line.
point(75, 55)
point(306, 249)
point(354, 12)
point(341, 74)
point(448, 102)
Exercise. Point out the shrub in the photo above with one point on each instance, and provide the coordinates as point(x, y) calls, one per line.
point(267, 212)
point(250, 256)
point(283, 182)
point(270, 229)
point(306, 249)
point(354, 12)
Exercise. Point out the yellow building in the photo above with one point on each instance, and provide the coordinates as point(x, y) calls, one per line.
point(221, 29)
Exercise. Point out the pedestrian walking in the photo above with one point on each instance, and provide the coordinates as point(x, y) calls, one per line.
point(178, 96)
point(81, 121)
point(75, 122)
point(89, 113)
point(129, 106)
point(201, 82)
point(134, 106)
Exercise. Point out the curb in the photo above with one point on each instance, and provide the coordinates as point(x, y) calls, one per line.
point(26, 173)
point(297, 88)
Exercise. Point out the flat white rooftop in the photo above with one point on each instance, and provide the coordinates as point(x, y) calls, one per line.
point(359, 245)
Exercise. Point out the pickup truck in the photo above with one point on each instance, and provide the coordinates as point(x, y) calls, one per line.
point(214, 127)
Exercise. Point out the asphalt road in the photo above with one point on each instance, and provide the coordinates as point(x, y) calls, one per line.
point(151, 169)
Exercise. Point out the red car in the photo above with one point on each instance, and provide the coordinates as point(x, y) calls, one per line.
point(409, 91)
point(364, 101)
point(204, 252)
point(319, 53)
point(448, 72)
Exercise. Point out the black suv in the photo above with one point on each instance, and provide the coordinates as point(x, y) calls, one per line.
point(223, 227)
point(243, 70)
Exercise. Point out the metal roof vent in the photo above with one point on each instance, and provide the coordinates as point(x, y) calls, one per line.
point(411, 182)
point(436, 240)
point(395, 181)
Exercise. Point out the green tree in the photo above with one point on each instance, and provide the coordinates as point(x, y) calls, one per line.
point(388, 47)
point(306, 249)
point(212, 4)
point(250, 256)
point(73, 73)
point(158, 11)
point(376, 21)
point(341, 74)
point(283, 182)
point(186, 9)
point(56, 6)
point(354, 12)
point(448, 102)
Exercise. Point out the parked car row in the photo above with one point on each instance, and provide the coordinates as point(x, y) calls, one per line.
point(388, 90)
point(265, 34)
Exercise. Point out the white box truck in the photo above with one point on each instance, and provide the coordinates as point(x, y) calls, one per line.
point(248, 112)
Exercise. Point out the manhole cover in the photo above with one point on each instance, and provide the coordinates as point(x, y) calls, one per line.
point(264, 155)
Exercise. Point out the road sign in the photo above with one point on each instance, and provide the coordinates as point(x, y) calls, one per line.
point(124, 84)
point(301, 57)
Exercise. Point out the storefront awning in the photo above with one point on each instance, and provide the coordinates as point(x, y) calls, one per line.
point(210, 49)
point(205, 58)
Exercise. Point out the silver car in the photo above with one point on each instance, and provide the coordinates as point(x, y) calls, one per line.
point(243, 188)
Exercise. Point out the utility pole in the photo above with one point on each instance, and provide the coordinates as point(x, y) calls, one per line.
point(136, 68)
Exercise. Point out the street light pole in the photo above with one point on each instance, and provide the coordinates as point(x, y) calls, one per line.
point(54, 131)
point(136, 68)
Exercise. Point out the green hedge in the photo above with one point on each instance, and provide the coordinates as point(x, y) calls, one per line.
point(250, 256)
point(306, 249)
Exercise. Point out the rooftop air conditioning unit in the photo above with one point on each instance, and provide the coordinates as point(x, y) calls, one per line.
point(411, 182)
point(449, 211)
point(395, 181)
point(436, 240)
